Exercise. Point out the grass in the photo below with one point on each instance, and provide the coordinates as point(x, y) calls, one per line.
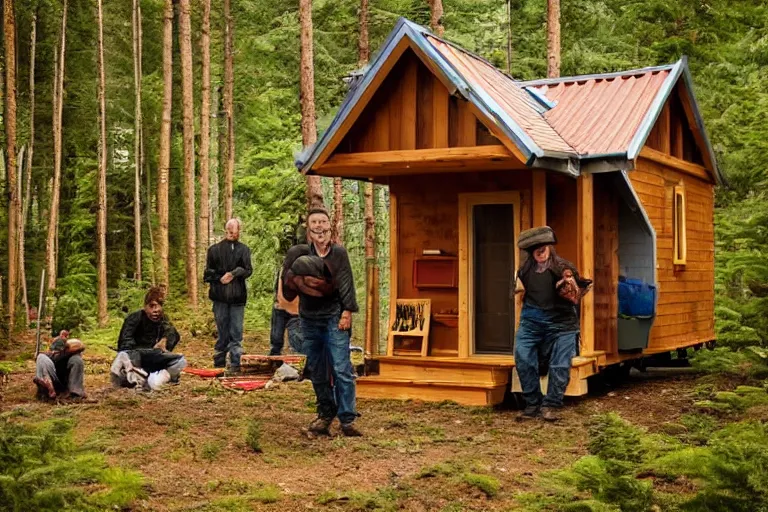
point(486, 483)
point(253, 436)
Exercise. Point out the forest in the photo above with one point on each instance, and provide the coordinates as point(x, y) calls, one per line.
point(132, 130)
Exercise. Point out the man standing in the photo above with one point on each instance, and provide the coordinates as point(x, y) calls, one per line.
point(321, 275)
point(228, 265)
point(145, 346)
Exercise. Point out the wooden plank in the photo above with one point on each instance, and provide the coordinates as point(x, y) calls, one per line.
point(676, 163)
point(393, 264)
point(424, 108)
point(663, 126)
point(464, 277)
point(439, 115)
point(586, 256)
point(497, 133)
point(396, 115)
point(353, 115)
point(539, 198)
point(381, 129)
point(408, 106)
point(467, 125)
point(697, 135)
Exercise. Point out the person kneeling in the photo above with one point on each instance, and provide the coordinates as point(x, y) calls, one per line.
point(60, 371)
point(144, 348)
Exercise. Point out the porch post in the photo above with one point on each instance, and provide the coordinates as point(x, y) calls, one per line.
point(586, 258)
point(539, 198)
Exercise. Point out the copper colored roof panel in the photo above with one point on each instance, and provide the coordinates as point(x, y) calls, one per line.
point(511, 98)
point(600, 116)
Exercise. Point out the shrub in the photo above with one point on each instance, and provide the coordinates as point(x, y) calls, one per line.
point(253, 436)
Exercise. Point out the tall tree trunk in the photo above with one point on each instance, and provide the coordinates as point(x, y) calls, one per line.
point(216, 155)
point(101, 221)
point(137, 121)
point(553, 38)
point(205, 133)
point(229, 93)
point(436, 20)
point(363, 47)
point(21, 224)
point(51, 245)
point(509, 37)
point(164, 163)
point(338, 210)
point(28, 185)
point(9, 116)
point(370, 221)
point(188, 131)
point(307, 98)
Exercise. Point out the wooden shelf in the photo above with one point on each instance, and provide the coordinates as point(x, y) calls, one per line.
point(446, 320)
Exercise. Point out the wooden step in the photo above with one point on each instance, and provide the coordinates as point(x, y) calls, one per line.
point(415, 369)
point(470, 393)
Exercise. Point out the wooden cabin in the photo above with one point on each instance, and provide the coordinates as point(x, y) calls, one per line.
point(618, 164)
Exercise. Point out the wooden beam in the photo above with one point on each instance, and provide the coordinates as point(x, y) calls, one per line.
point(585, 223)
point(439, 115)
point(539, 198)
point(393, 264)
point(467, 125)
point(497, 133)
point(663, 126)
point(352, 116)
point(677, 164)
point(408, 89)
point(464, 277)
point(419, 161)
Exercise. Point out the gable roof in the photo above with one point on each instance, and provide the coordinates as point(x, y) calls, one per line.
point(573, 124)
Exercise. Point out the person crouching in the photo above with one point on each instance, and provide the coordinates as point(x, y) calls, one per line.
point(60, 371)
point(145, 346)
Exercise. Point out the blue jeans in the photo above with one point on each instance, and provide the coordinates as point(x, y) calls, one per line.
point(323, 341)
point(282, 320)
point(539, 338)
point(229, 325)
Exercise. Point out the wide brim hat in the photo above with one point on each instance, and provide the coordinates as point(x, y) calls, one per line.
point(536, 237)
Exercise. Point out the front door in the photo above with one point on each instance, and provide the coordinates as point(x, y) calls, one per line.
point(491, 254)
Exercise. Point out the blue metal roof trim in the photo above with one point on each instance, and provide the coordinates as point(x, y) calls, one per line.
point(541, 99)
point(308, 155)
point(700, 122)
point(649, 120)
point(596, 76)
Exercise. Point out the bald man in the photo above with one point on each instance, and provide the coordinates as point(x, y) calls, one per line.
point(228, 265)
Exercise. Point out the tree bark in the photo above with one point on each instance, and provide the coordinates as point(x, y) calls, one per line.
point(21, 224)
point(436, 20)
point(51, 245)
point(203, 226)
point(307, 97)
point(229, 92)
point(338, 210)
point(363, 47)
point(28, 185)
point(509, 37)
point(218, 150)
point(553, 38)
point(164, 163)
point(136, 18)
point(101, 221)
point(188, 138)
point(9, 116)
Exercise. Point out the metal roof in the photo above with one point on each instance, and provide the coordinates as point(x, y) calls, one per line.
point(569, 124)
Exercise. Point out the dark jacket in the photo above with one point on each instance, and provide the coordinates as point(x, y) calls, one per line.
point(224, 257)
point(343, 296)
point(141, 333)
point(563, 311)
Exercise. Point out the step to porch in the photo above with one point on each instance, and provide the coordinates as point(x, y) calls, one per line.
point(468, 393)
point(491, 372)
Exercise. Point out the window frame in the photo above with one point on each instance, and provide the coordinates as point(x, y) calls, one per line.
point(679, 228)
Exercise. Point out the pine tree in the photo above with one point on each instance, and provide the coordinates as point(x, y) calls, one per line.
point(164, 163)
point(307, 96)
point(553, 38)
point(188, 128)
point(31, 152)
point(9, 116)
point(101, 224)
point(203, 227)
point(137, 129)
point(229, 93)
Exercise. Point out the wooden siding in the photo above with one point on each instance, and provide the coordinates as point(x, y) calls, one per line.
point(606, 277)
point(427, 218)
point(685, 313)
point(672, 134)
point(413, 110)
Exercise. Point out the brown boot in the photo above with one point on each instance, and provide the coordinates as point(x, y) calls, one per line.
point(550, 414)
point(320, 426)
point(47, 385)
point(350, 430)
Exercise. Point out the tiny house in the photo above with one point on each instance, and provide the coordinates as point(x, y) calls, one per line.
point(618, 164)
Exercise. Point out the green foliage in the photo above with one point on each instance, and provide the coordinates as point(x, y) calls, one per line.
point(486, 483)
point(749, 362)
point(41, 469)
point(253, 436)
point(67, 314)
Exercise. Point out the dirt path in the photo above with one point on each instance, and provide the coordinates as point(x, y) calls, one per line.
point(189, 442)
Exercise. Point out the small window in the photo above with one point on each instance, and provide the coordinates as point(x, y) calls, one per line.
point(680, 246)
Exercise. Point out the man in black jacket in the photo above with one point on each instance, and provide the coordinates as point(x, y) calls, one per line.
point(145, 347)
point(320, 273)
point(228, 265)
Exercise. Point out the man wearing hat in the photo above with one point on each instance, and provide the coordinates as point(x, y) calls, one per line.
point(549, 321)
point(321, 275)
